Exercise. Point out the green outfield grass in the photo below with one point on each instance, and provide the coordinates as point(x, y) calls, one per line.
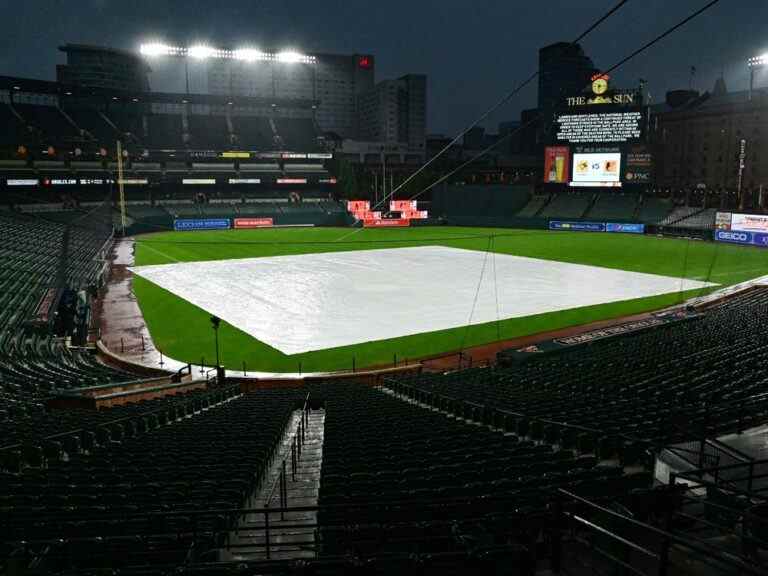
point(182, 330)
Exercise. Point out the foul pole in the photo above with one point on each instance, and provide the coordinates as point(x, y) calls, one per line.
point(120, 186)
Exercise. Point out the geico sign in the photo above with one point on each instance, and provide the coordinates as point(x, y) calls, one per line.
point(737, 236)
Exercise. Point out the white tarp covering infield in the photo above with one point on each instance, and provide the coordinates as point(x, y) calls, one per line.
point(318, 301)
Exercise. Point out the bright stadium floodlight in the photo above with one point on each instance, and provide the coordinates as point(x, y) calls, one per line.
point(289, 56)
point(204, 52)
point(200, 51)
point(159, 49)
point(755, 63)
point(248, 54)
point(761, 60)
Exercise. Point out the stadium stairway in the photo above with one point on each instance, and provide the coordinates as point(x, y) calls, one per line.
point(292, 534)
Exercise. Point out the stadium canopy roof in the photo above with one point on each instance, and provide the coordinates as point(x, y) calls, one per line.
point(16, 84)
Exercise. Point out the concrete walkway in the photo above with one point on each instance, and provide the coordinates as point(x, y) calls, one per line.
point(291, 535)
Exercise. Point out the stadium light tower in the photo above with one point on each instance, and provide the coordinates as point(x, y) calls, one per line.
point(755, 63)
point(202, 52)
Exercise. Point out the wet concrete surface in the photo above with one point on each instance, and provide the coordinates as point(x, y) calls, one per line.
point(123, 329)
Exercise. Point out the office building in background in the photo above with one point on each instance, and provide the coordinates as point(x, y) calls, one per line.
point(394, 111)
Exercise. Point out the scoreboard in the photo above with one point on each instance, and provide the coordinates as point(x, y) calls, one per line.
point(598, 139)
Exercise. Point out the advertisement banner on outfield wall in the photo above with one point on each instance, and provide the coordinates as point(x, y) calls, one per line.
point(742, 237)
point(253, 222)
point(577, 226)
point(723, 220)
point(749, 222)
point(201, 224)
point(386, 223)
point(625, 228)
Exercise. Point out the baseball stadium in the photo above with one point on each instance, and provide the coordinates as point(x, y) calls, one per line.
point(236, 340)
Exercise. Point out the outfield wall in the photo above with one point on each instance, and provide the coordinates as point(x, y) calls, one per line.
point(160, 223)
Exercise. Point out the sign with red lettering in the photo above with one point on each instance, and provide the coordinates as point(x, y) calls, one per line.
point(358, 206)
point(253, 222)
point(386, 223)
point(402, 205)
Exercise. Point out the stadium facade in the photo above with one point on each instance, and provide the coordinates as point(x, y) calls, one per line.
point(333, 81)
point(101, 67)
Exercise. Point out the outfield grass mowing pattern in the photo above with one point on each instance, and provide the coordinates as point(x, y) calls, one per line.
point(182, 330)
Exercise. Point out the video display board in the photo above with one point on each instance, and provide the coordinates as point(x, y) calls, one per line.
point(596, 169)
point(598, 128)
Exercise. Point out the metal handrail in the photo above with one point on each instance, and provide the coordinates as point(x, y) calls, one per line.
point(702, 547)
point(299, 433)
point(725, 467)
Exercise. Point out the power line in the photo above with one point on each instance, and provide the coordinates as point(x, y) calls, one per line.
point(536, 118)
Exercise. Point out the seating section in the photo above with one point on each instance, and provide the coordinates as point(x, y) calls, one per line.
point(73, 124)
point(653, 210)
point(704, 374)
point(164, 131)
point(128, 120)
point(422, 466)
point(172, 455)
point(254, 132)
point(678, 214)
point(49, 121)
point(704, 219)
point(40, 259)
point(297, 133)
point(535, 204)
point(567, 205)
point(93, 123)
point(13, 132)
point(209, 132)
point(611, 207)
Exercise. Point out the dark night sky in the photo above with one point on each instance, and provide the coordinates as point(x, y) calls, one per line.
point(472, 52)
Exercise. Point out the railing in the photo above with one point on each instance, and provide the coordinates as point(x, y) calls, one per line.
point(181, 372)
point(741, 478)
point(613, 540)
point(732, 514)
point(708, 453)
point(195, 529)
point(297, 442)
point(628, 545)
